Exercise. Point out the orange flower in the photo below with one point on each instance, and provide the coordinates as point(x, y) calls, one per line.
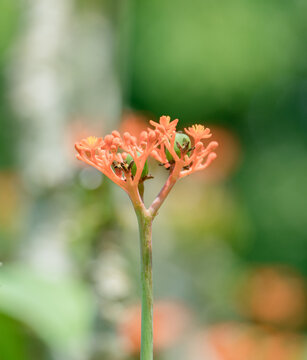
point(109, 155)
point(198, 132)
point(165, 125)
point(122, 157)
point(198, 159)
point(91, 142)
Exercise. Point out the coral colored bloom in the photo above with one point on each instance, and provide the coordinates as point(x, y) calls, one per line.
point(198, 132)
point(109, 154)
point(165, 125)
point(91, 142)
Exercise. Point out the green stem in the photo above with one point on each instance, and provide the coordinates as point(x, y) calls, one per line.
point(145, 226)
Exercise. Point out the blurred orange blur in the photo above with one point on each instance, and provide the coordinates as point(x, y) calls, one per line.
point(275, 295)
point(235, 341)
point(134, 122)
point(171, 320)
point(229, 155)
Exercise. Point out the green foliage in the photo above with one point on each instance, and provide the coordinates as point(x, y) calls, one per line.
point(9, 20)
point(12, 346)
point(208, 56)
point(59, 311)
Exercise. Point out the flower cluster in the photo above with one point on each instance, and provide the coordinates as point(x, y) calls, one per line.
point(176, 151)
point(123, 158)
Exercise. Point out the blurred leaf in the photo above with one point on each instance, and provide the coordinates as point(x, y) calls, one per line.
point(273, 185)
point(9, 19)
point(195, 59)
point(59, 310)
point(12, 345)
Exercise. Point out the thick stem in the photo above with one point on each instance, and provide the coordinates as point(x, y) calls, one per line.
point(145, 226)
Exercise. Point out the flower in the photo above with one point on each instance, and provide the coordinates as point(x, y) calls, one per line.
point(190, 159)
point(91, 142)
point(165, 125)
point(198, 132)
point(122, 158)
point(109, 154)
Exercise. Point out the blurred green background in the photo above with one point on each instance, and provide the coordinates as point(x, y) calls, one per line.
point(230, 245)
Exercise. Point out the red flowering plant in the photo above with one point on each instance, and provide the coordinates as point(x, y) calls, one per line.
point(123, 159)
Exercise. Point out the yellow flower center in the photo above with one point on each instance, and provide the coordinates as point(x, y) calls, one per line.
point(198, 128)
point(92, 140)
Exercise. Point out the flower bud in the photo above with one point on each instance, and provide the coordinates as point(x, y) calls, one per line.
point(152, 136)
point(116, 141)
point(108, 139)
point(143, 136)
point(115, 133)
point(126, 136)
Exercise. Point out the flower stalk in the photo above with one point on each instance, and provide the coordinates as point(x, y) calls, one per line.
point(123, 158)
point(145, 231)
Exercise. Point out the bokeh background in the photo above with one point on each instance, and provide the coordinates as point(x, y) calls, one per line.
point(230, 244)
